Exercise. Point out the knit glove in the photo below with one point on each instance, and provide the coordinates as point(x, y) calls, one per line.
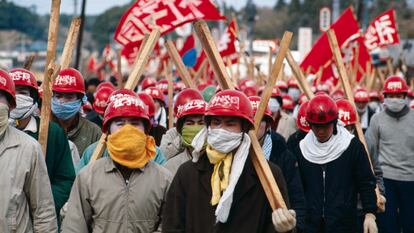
point(369, 224)
point(284, 220)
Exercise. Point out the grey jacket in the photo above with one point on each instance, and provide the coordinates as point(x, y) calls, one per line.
point(171, 143)
point(26, 202)
point(175, 162)
point(287, 125)
point(102, 201)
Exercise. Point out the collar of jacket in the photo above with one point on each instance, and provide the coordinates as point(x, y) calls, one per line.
point(399, 114)
point(9, 140)
point(110, 166)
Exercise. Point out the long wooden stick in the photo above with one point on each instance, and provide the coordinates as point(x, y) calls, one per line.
point(270, 61)
point(70, 43)
point(179, 64)
point(348, 93)
point(390, 67)
point(259, 162)
point(200, 70)
point(29, 62)
point(168, 74)
point(300, 77)
point(139, 65)
point(48, 74)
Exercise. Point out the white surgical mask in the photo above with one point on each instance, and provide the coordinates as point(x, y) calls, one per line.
point(294, 93)
point(395, 104)
point(374, 105)
point(222, 140)
point(24, 107)
point(274, 105)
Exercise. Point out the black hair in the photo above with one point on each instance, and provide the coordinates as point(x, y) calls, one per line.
point(93, 81)
point(334, 122)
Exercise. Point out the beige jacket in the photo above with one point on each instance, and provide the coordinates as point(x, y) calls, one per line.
point(26, 202)
point(287, 125)
point(101, 200)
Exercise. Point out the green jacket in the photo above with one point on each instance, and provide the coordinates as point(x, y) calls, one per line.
point(58, 162)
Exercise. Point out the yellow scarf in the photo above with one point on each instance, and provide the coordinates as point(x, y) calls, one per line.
point(131, 147)
point(220, 177)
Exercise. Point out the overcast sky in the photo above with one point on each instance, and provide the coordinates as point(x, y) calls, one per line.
point(94, 7)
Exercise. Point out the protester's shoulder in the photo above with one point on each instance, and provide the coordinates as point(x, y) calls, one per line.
point(276, 171)
point(22, 138)
point(160, 171)
point(89, 125)
point(172, 132)
point(176, 160)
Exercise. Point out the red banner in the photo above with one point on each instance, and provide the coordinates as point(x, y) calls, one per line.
point(141, 18)
point(346, 29)
point(382, 31)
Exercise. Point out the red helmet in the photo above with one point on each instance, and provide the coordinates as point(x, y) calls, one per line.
point(184, 97)
point(105, 84)
point(338, 94)
point(7, 85)
point(149, 102)
point(276, 92)
point(121, 92)
point(230, 103)
point(180, 86)
point(163, 86)
point(192, 107)
point(301, 118)
point(255, 102)
point(346, 112)
point(69, 81)
point(87, 106)
point(361, 95)
point(321, 110)
point(373, 95)
point(287, 102)
point(126, 106)
point(250, 91)
point(148, 82)
point(101, 99)
point(155, 93)
point(395, 84)
point(281, 84)
point(324, 87)
point(302, 98)
point(23, 77)
point(292, 83)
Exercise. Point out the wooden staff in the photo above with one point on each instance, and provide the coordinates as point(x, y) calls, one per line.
point(348, 93)
point(168, 75)
point(381, 76)
point(300, 77)
point(29, 62)
point(390, 67)
point(48, 74)
point(119, 69)
point(139, 65)
point(259, 162)
point(182, 70)
point(270, 55)
point(355, 69)
point(200, 70)
point(229, 67)
point(70, 43)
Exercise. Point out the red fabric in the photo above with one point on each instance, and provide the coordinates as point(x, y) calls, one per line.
point(346, 28)
point(382, 31)
point(91, 64)
point(141, 17)
point(188, 44)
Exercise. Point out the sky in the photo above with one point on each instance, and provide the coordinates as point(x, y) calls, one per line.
point(94, 7)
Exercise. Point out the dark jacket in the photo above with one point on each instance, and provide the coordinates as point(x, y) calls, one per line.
point(294, 139)
point(157, 132)
point(59, 163)
point(288, 164)
point(188, 207)
point(331, 202)
point(94, 117)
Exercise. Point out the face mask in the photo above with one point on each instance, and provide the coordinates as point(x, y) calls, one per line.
point(274, 105)
point(131, 147)
point(373, 105)
point(188, 132)
point(4, 118)
point(394, 104)
point(294, 93)
point(66, 110)
point(24, 107)
point(360, 110)
point(222, 140)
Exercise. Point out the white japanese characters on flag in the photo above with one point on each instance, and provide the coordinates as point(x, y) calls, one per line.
point(141, 18)
point(382, 31)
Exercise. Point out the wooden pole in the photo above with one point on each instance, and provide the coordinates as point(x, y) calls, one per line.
point(348, 93)
point(168, 74)
point(48, 75)
point(390, 67)
point(29, 62)
point(138, 68)
point(230, 69)
point(270, 61)
point(300, 77)
point(200, 70)
point(70, 43)
point(355, 69)
point(259, 162)
point(175, 56)
point(46, 106)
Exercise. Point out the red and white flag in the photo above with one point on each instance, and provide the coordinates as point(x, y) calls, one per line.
point(382, 31)
point(143, 16)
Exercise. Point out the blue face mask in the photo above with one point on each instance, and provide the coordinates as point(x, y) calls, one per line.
point(66, 110)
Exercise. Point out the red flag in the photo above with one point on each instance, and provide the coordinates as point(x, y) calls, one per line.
point(382, 31)
point(188, 44)
point(167, 15)
point(91, 64)
point(346, 28)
